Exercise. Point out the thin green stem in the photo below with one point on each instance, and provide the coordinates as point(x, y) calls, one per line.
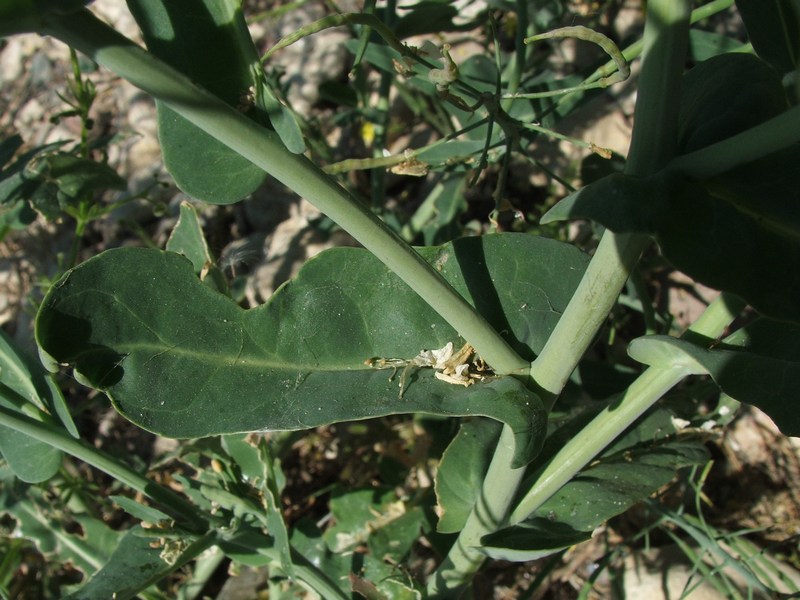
point(58, 438)
point(263, 147)
point(368, 20)
point(603, 429)
point(615, 257)
point(518, 60)
point(381, 124)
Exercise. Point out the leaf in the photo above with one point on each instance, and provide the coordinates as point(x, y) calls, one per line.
point(32, 509)
point(18, 216)
point(739, 231)
point(759, 365)
point(30, 460)
point(376, 519)
point(208, 41)
point(638, 464)
point(133, 567)
point(773, 27)
point(49, 182)
point(179, 359)
point(725, 95)
point(282, 119)
point(187, 238)
point(531, 540)
point(461, 472)
point(706, 44)
point(141, 511)
point(27, 388)
point(262, 471)
point(77, 177)
point(8, 147)
point(426, 17)
point(390, 580)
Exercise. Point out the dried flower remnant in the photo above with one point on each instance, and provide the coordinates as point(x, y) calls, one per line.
point(460, 368)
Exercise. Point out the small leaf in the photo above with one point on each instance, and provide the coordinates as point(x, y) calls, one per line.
point(707, 44)
point(283, 120)
point(533, 539)
point(133, 567)
point(36, 521)
point(19, 180)
point(187, 238)
point(30, 460)
point(8, 147)
point(26, 387)
point(759, 365)
point(77, 177)
point(461, 472)
point(141, 511)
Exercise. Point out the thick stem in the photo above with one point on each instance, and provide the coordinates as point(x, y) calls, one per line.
point(85, 32)
point(654, 140)
point(652, 146)
point(488, 514)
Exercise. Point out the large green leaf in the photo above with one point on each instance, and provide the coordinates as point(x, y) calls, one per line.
point(208, 41)
point(182, 360)
point(638, 464)
point(759, 365)
point(773, 27)
point(739, 231)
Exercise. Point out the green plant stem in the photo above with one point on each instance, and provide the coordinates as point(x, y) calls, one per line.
point(263, 147)
point(615, 257)
point(381, 123)
point(57, 438)
point(518, 60)
point(304, 569)
point(653, 144)
point(175, 504)
point(368, 20)
point(665, 42)
point(611, 422)
point(488, 514)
